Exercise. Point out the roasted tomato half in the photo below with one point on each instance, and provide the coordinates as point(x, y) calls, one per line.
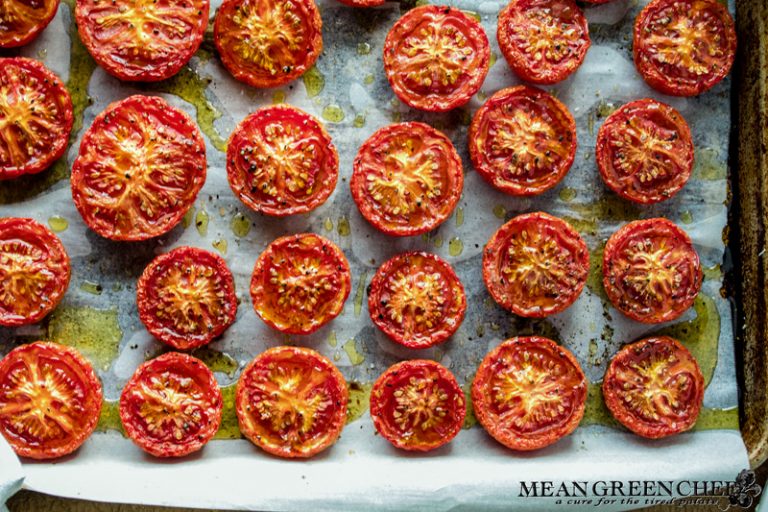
point(187, 297)
point(300, 283)
point(644, 151)
point(417, 405)
point(529, 392)
point(34, 271)
point(143, 40)
point(363, 3)
point(21, 21)
point(544, 41)
point(266, 43)
point(436, 58)
point(417, 300)
point(522, 141)
point(654, 387)
point(35, 117)
point(50, 400)
point(291, 402)
point(651, 272)
point(140, 167)
point(535, 265)
point(281, 161)
point(172, 405)
point(684, 47)
point(407, 179)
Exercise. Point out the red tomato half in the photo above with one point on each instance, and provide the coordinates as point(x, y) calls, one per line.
point(407, 179)
point(522, 141)
point(417, 405)
point(363, 3)
point(529, 392)
point(684, 47)
point(651, 272)
point(145, 40)
point(300, 283)
point(35, 117)
point(266, 43)
point(172, 405)
point(644, 151)
point(281, 161)
point(417, 300)
point(21, 21)
point(186, 298)
point(291, 402)
point(535, 265)
point(544, 41)
point(140, 167)
point(34, 271)
point(50, 400)
point(654, 387)
point(436, 58)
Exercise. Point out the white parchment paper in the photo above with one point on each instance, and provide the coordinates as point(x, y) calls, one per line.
point(362, 470)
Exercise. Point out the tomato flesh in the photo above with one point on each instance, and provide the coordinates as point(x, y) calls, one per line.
point(140, 167)
point(21, 21)
point(654, 387)
point(172, 405)
point(281, 161)
point(528, 393)
point(50, 400)
point(35, 117)
point(291, 402)
point(522, 141)
point(651, 271)
point(417, 405)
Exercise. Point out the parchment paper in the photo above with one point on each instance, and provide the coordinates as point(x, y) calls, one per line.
point(362, 470)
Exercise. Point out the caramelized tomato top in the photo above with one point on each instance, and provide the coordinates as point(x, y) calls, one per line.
point(291, 402)
point(407, 179)
point(35, 116)
point(140, 167)
point(145, 40)
point(651, 272)
point(522, 141)
point(654, 387)
point(535, 265)
point(281, 161)
point(34, 271)
point(684, 47)
point(50, 400)
point(265, 43)
point(436, 57)
point(21, 21)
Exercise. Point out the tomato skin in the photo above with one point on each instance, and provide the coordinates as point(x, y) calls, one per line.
point(312, 294)
point(537, 16)
point(524, 121)
point(181, 280)
point(449, 35)
point(531, 370)
point(59, 386)
point(34, 271)
point(709, 25)
point(229, 36)
point(535, 265)
point(313, 173)
point(656, 249)
point(127, 40)
point(48, 101)
point(179, 391)
point(420, 155)
point(275, 420)
point(152, 154)
point(659, 139)
point(631, 375)
point(428, 298)
point(363, 3)
point(12, 35)
point(401, 419)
